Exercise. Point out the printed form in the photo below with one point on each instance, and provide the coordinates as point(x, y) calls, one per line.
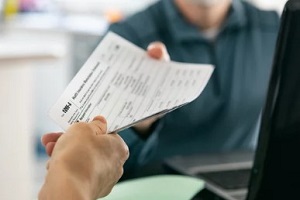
point(122, 83)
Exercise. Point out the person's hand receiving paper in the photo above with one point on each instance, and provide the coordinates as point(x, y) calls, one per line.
point(85, 162)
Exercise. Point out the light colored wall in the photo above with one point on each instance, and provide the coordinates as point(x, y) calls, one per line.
point(100, 6)
point(16, 130)
point(270, 4)
point(33, 73)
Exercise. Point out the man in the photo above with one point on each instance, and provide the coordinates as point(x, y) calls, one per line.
point(85, 162)
point(239, 40)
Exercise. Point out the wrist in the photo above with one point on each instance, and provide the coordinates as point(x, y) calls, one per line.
point(144, 133)
point(63, 183)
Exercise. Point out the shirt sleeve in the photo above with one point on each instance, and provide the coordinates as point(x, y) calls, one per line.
point(141, 150)
point(126, 31)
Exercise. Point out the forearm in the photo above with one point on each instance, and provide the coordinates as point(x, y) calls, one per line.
point(145, 128)
point(60, 184)
point(138, 147)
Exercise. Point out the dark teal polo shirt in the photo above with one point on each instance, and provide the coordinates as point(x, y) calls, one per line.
point(226, 115)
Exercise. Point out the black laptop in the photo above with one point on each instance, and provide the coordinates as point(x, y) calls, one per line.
point(275, 172)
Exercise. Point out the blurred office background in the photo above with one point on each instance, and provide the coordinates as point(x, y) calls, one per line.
point(42, 45)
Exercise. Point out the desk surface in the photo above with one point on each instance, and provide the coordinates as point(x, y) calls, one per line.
point(165, 187)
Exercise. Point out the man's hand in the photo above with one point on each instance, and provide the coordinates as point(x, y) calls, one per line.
point(156, 50)
point(85, 162)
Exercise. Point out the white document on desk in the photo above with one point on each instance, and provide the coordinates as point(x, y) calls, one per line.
point(122, 83)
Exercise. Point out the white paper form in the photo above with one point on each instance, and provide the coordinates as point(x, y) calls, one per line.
point(122, 83)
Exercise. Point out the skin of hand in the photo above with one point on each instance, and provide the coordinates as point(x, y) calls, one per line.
point(85, 162)
point(156, 50)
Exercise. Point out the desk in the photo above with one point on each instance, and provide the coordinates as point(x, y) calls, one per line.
point(234, 168)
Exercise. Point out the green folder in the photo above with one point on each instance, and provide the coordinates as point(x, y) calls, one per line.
point(160, 187)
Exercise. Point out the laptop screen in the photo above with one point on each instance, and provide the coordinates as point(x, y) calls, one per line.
point(276, 170)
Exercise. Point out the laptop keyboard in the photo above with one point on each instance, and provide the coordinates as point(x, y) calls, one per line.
point(228, 180)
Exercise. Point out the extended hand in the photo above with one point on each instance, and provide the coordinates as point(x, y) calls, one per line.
point(85, 162)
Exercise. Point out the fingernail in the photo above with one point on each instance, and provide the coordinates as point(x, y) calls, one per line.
point(41, 139)
point(101, 119)
point(151, 46)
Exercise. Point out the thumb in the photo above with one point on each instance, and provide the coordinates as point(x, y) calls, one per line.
point(100, 125)
point(158, 51)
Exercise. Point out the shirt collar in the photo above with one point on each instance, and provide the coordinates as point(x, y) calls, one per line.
point(184, 31)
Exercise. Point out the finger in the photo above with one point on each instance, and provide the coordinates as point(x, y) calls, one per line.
point(100, 118)
point(158, 51)
point(50, 137)
point(48, 164)
point(49, 148)
point(125, 149)
point(160, 115)
point(100, 125)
